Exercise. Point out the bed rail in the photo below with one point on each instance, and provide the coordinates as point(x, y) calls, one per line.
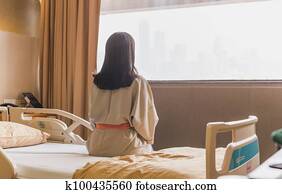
point(7, 170)
point(242, 154)
point(50, 120)
point(4, 114)
point(6, 167)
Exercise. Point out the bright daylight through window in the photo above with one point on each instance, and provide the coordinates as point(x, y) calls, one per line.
point(239, 41)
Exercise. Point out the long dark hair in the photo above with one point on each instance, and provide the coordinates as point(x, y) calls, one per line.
point(118, 70)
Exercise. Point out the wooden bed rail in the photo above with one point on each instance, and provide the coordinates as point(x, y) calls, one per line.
point(243, 138)
point(4, 114)
point(7, 170)
point(43, 118)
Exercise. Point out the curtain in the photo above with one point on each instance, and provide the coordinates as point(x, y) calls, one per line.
point(69, 36)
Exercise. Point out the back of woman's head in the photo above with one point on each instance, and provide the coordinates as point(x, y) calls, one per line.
point(118, 70)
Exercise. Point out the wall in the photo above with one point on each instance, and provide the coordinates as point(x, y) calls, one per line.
point(185, 109)
point(20, 16)
point(18, 65)
point(19, 28)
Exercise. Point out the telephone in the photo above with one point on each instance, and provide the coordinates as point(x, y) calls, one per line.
point(30, 100)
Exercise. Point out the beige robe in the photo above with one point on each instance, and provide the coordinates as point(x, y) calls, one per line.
point(133, 105)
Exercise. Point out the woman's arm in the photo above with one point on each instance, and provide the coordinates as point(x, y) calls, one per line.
point(144, 115)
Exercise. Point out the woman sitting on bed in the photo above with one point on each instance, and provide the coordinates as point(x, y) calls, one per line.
point(121, 106)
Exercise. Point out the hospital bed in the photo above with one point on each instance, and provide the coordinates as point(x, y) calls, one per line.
point(65, 151)
point(264, 171)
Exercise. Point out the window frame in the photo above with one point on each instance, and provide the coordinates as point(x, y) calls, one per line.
point(184, 5)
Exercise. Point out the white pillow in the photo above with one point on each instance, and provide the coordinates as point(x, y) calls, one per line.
point(18, 135)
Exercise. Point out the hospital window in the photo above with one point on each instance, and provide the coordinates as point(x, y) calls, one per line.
point(199, 39)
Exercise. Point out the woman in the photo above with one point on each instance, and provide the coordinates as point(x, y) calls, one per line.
point(121, 106)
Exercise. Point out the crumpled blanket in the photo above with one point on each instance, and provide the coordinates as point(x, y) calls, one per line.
point(171, 163)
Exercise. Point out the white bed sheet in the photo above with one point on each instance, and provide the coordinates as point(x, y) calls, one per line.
point(49, 160)
point(57, 160)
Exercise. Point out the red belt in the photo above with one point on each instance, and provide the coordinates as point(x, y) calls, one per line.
point(110, 126)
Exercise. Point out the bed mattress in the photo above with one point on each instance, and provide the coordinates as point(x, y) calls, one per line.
point(56, 160)
point(49, 160)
